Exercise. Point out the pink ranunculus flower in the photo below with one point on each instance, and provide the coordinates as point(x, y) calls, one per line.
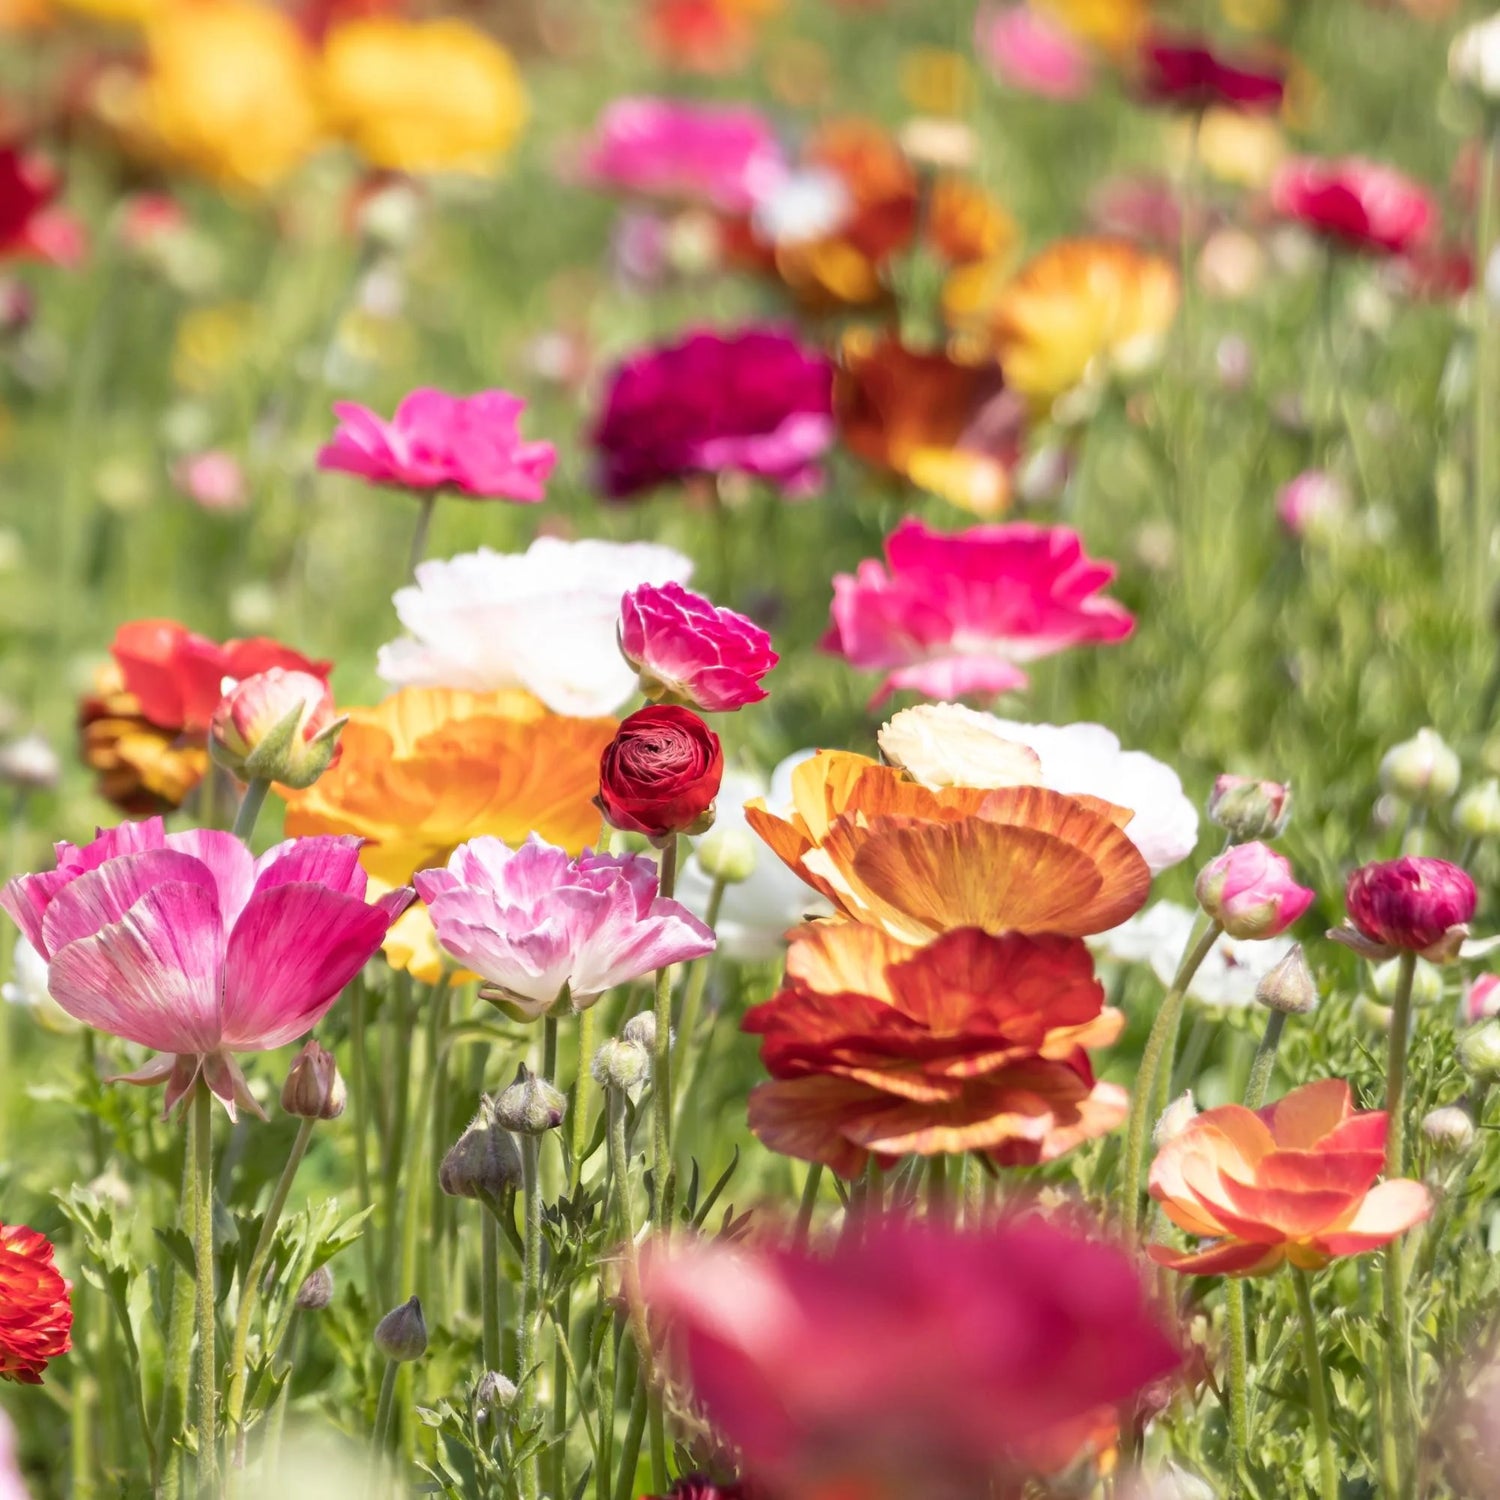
point(1249, 891)
point(1314, 505)
point(533, 921)
point(435, 441)
point(212, 480)
point(951, 614)
point(722, 156)
point(751, 402)
point(1481, 1000)
point(1411, 905)
point(1029, 52)
point(690, 651)
point(1359, 204)
point(187, 944)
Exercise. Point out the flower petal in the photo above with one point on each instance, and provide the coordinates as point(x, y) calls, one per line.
point(1229, 1258)
point(1389, 1209)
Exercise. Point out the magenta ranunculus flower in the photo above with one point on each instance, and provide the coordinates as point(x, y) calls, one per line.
point(1187, 73)
point(1361, 205)
point(189, 945)
point(950, 614)
point(690, 651)
point(1412, 905)
point(532, 921)
point(1026, 50)
point(753, 402)
point(469, 444)
point(1249, 891)
point(724, 156)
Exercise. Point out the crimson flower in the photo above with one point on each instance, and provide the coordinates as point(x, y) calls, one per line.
point(1412, 905)
point(661, 772)
point(36, 1313)
point(31, 226)
point(1359, 204)
point(1187, 73)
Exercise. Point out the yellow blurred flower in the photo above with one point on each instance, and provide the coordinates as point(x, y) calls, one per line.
point(411, 944)
point(210, 340)
point(1238, 148)
point(1115, 25)
point(1254, 15)
point(937, 81)
point(433, 96)
point(230, 92)
point(25, 15)
point(431, 767)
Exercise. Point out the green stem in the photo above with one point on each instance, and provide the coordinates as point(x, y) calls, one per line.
point(360, 1088)
point(631, 1450)
point(426, 505)
point(604, 1401)
point(384, 1407)
point(167, 1479)
point(1161, 1045)
point(489, 1290)
point(203, 1260)
point(578, 1113)
point(1317, 1386)
point(1239, 1379)
point(692, 1007)
point(399, 1040)
point(549, 1047)
point(1484, 409)
point(808, 1204)
point(1263, 1065)
point(250, 806)
point(939, 1204)
point(531, 1299)
point(276, 1422)
point(661, 1075)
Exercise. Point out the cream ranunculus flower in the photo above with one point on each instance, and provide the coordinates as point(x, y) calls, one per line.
point(1474, 59)
point(946, 744)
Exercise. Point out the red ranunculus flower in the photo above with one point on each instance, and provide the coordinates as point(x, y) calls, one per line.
point(1359, 204)
point(661, 772)
point(35, 1311)
point(1187, 73)
point(1411, 904)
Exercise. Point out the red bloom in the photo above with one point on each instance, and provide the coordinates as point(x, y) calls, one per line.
point(661, 772)
point(1359, 204)
point(1187, 73)
point(30, 226)
point(1412, 904)
point(915, 1359)
point(35, 1312)
point(178, 676)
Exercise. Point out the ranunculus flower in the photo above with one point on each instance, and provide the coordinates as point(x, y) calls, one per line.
point(1481, 1000)
point(276, 726)
point(140, 767)
point(969, 1043)
point(212, 480)
point(545, 620)
point(1358, 204)
point(471, 444)
point(1187, 72)
point(724, 156)
point(1474, 58)
point(1314, 505)
point(32, 225)
point(1250, 892)
point(1292, 1182)
point(690, 650)
point(1412, 905)
point(1027, 50)
point(187, 944)
point(38, 1312)
point(910, 1359)
point(661, 772)
point(948, 615)
point(752, 402)
point(533, 921)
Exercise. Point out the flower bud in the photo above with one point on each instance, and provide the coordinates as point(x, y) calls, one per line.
point(641, 1029)
point(401, 1335)
point(493, 1392)
point(1474, 59)
point(1426, 982)
point(1412, 905)
point(1479, 1053)
point(1481, 1000)
point(530, 1106)
point(1369, 1015)
point(276, 726)
point(1478, 811)
point(621, 1065)
point(30, 764)
point(1421, 770)
point(316, 1292)
point(1250, 892)
point(484, 1161)
point(1289, 987)
point(313, 1089)
point(1175, 1118)
point(1249, 809)
point(726, 854)
point(1450, 1130)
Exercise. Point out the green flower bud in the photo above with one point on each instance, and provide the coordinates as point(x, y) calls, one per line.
point(1289, 987)
point(1478, 811)
point(1421, 770)
point(621, 1065)
point(1450, 1130)
point(727, 854)
point(483, 1162)
point(316, 1292)
point(401, 1335)
point(1479, 1053)
point(530, 1106)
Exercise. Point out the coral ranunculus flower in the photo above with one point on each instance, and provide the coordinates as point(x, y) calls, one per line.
point(429, 768)
point(920, 862)
point(951, 614)
point(1358, 204)
point(36, 1310)
point(1292, 1182)
point(972, 1043)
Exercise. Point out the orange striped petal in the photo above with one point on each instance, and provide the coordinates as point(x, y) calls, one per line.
point(1303, 1117)
point(834, 958)
point(805, 1118)
point(1230, 1258)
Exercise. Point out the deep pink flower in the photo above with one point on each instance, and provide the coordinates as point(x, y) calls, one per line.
point(437, 441)
point(1250, 892)
point(950, 614)
point(532, 920)
point(32, 225)
point(1411, 904)
point(189, 945)
point(1313, 504)
point(1187, 73)
point(1029, 52)
point(753, 402)
point(914, 1358)
point(724, 156)
point(1481, 1000)
point(1361, 205)
point(690, 651)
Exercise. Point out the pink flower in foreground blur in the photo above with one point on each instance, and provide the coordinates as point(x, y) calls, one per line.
point(187, 944)
point(1412, 905)
point(723, 156)
point(213, 480)
point(1481, 1000)
point(1027, 51)
point(1361, 205)
point(441, 442)
point(1187, 73)
point(1313, 505)
point(690, 651)
point(1249, 891)
point(950, 614)
point(753, 402)
point(31, 225)
point(533, 921)
point(912, 1358)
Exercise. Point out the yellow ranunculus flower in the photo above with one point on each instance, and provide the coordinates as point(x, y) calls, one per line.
point(1242, 149)
point(230, 92)
point(125, 12)
point(423, 96)
point(1115, 25)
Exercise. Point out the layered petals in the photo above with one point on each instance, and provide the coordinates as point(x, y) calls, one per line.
point(1361, 205)
point(36, 1312)
point(690, 651)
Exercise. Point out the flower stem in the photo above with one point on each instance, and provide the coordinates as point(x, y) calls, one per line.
point(1264, 1062)
point(426, 505)
point(578, 1114)
point(203, 1260)
point(383, 1409)
point(360, 1088)
point(1396, 1440)
point(661, 1073)
point(1239, 1378)
point(489, 1289)
point(692, 1006)
point(167, 1478)
point(939, 1205)
point(250, 806)
point(531, 1297)
point(1484, 374)
point(1161, 1046)
point(1317, 1386)
point(808, 1204)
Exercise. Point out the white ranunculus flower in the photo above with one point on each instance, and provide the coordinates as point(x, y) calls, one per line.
point(1158, 937)
point(756, 913)
point(946, 744)
point(544, 620)
point(1474, 58)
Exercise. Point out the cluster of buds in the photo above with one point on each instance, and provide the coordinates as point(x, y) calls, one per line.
point(626, 1061)
point(276, 726)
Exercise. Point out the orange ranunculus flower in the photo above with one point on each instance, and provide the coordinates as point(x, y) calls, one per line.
point(971, 1043)
point(919, 862)
point(431, 767)
point(38, 1318)
point(1292, 1182)
point(1080, 311)
point(143, 768)
point(943, 424)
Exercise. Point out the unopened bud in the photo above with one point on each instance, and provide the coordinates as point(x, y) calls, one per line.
point(1289, 987)
point(1449, 1129)
point(530, 1106)
point(1421, 770)
point(276, 726)
point(316, 1292)
point(493, 1393)
point(621, 1065)
point(1370, 1016)
point(641, 1030)
point(1249, 809)
point(30, 764)
point(726, 854)
point(1478, 811)
point(484, 1161)
point(1479, 1053)
point(313, 1089)
point(401, 1335)
point(1426, 982)
point(1175, 1118)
